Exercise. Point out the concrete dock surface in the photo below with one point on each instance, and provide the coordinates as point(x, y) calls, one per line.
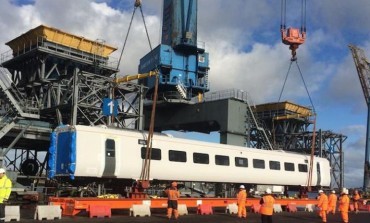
point(159, 216)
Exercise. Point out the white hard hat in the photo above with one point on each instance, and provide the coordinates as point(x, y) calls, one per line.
point(333, 191)
point(241, 187)
point(2, 170)
point(344, 190)
point(268, 191)
point(321, 191)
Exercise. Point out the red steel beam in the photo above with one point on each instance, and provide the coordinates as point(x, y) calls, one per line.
point(72, 206)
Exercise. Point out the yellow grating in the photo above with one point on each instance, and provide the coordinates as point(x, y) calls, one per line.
point(60, 37)
point(287, 106)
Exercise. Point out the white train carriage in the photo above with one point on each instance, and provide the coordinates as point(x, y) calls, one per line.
point(85, 151)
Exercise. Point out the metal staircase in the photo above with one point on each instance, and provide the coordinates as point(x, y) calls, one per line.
point(258, 130)
point(7, 126)
point(12, 96)
point(181, 89)
point(206, 83)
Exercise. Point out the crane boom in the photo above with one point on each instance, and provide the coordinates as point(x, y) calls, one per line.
point(128, 78)
point(363, 70)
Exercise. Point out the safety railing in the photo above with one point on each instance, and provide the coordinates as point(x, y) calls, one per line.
point(226, 94)
point(42, 42)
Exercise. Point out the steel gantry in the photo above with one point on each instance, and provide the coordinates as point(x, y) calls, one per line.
point(289, 124)
point(51, 77)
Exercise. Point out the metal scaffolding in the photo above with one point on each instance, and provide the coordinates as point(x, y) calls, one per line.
point(50, 78)
point(290, 126)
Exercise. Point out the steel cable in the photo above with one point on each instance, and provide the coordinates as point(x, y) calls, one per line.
point(286, 78)
point(124, 44)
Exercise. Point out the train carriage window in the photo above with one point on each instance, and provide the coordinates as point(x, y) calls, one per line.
point(274, 165)
point(222, 160)
point(302, 168)
point(177, 156)
point(156, 153)
point(201, 158)
point(110, 148)
point(259, 164)
point(289, 166)
point(318, 169)
point(241, 162)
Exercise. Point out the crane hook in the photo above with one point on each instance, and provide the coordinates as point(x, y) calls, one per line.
point(293, 37)
point(137, 3)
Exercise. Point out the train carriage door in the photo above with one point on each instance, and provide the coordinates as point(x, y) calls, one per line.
point(318, 169)
point(110, 158)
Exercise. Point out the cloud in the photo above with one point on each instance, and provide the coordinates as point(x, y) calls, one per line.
point(343, 17)
point(339, 91)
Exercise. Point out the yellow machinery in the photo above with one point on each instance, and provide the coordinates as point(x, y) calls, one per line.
point(128, 78)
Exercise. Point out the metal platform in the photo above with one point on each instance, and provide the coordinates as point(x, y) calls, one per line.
point(283, 110)
point(58, 37)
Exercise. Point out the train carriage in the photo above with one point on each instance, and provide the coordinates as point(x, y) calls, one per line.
point(100, 152)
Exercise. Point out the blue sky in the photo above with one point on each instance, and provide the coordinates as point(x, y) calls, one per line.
point(243, 39)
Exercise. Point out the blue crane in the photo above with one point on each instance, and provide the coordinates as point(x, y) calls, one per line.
point(182, 63)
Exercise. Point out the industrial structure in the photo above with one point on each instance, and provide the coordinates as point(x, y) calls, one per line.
point(51, 77)
point(363, 70)
point(181, 60)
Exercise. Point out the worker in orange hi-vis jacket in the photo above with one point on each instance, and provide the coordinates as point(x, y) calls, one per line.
point(344, 205)
point(173, 195)
point(356, 199)
point(322, 205)
point(332, 202)
point(267, 207)
point(242, 198)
